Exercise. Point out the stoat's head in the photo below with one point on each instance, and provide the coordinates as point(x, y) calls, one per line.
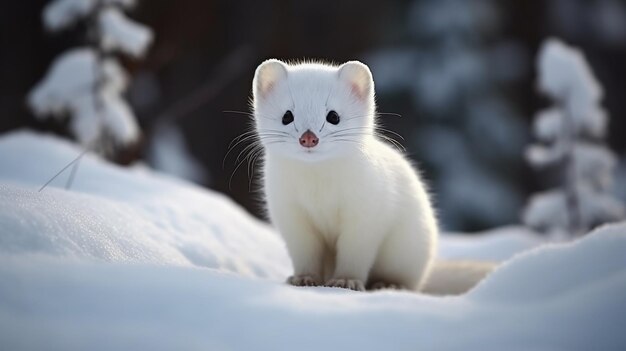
point(311, 111)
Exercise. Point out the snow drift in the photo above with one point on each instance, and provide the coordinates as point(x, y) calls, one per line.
point(130, 259)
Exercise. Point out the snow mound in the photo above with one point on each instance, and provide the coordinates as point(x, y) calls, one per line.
point(79, 225)
point(119, 215)
point(130, 259)
point(555, 298)
point(494, 245)
point(560, 270)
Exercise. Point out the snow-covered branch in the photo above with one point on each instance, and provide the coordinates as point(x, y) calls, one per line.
point(87, 83)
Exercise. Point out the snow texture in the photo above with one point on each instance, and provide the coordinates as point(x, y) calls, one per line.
point(117, 215)
point(131, 259)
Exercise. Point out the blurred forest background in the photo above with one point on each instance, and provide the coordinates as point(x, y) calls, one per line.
point(460, 73)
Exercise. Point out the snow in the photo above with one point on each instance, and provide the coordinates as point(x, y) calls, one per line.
point(120, 33)
point(59, 14)
point(571, 132)
point(70, 74)
point(83, 82)
point(565, 76)
point(132, 259)
point(130, 211)
point(496, 245)
point(548, 124)
point(595, 166)
point(69, 87)
point(547, 210)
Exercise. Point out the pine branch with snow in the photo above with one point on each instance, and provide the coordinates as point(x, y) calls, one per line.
point(87, 83)
point(569, 139)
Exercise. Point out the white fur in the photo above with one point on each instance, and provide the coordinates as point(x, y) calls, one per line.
point(352, 209)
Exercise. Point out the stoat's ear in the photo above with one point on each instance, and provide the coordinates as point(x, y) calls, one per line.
point(267, 75)
point(358, 77)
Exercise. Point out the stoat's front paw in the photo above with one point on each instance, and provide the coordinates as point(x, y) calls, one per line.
point(352, 284)
point(380, 285)
point(304, 280)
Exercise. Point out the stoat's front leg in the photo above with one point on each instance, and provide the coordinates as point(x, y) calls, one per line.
point(305, 246)
point(357, 247)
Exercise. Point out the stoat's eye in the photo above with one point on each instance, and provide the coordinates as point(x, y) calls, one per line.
point(287, 117)
point(332, 117)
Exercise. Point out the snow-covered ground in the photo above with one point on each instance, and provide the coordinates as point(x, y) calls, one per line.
point(134, 260)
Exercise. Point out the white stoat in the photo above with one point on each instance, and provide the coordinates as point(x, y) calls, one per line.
point(352, 210)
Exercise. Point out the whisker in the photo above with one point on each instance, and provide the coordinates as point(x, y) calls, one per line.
point(252, 145)
point(249, 114)
point(239, 112)
point(238, 137)
point(231, 148)
point(377, 114)
point(230, 180)
point(273, 131)
point(389, 114)
point(350, 129)
point(393, 142)
point(348, 132)
point(378, 128)
point(251, 168)
point(252, 156)
point(252, 135)
point(397, 144)
point(252, 151)
point(249, 151)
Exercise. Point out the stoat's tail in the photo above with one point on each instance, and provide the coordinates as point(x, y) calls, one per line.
point(455, 277)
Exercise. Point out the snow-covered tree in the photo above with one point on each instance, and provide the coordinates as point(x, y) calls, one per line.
point(87, 82)
point(570, 137)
